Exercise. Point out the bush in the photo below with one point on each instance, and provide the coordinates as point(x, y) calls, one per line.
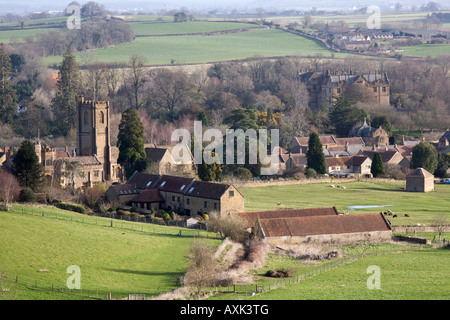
point(243, 174)
point(311, 173)
point(279, 273)
point(70, 207)
point(27, 195)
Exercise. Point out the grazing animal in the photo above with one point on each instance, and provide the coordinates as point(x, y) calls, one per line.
point(332, 185)
point(406, 215)
point(343, 187)
point(385, 213)
point(279, 203)
point(394, 216)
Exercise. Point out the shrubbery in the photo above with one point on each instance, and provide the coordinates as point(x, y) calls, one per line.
point(70, 207)
point(27, 195)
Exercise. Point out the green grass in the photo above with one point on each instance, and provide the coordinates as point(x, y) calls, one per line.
point(203, 49)
point(7, 36)
point(422, 207)
point(418, 275)
point(119, 260)
point(425, 50)
point(168, 27)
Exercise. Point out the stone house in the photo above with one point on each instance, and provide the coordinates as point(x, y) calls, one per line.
point(370, 135)
point(325, 87)
point(182, 195)
point(359, 166)
point(148, 200)
point(121, 193)
point(162, 162)
point(420, 180)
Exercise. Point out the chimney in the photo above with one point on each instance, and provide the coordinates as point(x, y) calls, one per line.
point(373, 147)
point(74, 153)
point(67, 149)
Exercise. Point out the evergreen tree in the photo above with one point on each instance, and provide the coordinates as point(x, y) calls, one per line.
point(8, 96)
point(64, 103)
point(345, 115)
point(315, 156)
point(424, 155)
point(442, 167)
point(377, 168)
point(26, 167)
point(130, 141)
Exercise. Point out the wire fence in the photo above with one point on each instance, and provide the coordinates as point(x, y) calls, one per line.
point(143, 225)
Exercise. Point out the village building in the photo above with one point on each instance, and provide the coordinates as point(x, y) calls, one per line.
point(330, 229)
point(349, 166)
point(325, 87)
point(162, 161)
point(121, 193)
point(420, 180)
point(182, 195)
point(371, 135)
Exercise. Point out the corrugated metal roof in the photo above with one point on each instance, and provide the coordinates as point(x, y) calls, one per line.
point(325, 224)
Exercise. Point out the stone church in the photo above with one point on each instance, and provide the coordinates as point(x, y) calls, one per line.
point(93, 160)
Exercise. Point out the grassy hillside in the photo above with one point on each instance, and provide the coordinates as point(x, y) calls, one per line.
point(128, 258)
point(422, 207)
point(203, 49)
point(418, 275)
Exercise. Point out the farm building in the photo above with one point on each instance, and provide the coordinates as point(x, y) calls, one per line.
point(342, 229)
point(420, 180)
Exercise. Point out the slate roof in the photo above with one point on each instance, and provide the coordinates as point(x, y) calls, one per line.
point(123, 189)
point(173, 184)
point(325, 224)
point(206, 190)
point(143, 180)
point(155, 154)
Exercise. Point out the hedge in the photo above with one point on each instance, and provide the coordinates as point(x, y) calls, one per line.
point(70, 207)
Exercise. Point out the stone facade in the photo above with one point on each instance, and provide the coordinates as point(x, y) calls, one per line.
point(324, 87)
point(419, 180)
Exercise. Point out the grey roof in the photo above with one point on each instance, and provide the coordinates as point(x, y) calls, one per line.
point(363, 131)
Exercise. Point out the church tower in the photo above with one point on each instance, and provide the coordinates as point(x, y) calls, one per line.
point(93, 134)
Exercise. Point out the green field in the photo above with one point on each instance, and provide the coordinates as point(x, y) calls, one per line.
point(169, 27)
point(125, 259)
point(417, 275)
point(425, 50)
point(7, 36)
point(422, 207)
point(203, 49)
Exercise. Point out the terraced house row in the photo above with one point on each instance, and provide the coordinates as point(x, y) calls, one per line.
point(182, 195)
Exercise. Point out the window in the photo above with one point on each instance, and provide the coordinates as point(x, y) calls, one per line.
point(375, 89)
point(215, 205)
point(173, 198)
point(188, 201)
point(178, 199)
point(86, 117)
point(231, 193)
point(102, 117)
point(96, 173)
point(338, 90)
point(206, 204)
point(384, 89)
point(314, 87)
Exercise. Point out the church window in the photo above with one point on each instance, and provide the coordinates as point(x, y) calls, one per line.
point(86, 117)
point(102, 117)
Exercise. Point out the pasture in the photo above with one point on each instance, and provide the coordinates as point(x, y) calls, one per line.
point(260, 42)
point(125, 259)
point(421, 207)
point(415, 275)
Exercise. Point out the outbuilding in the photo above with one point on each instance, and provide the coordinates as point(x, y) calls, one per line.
point(420, 180)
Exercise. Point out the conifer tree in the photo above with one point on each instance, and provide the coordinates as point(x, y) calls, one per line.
point(26, 167)
point(8, 96)
point(315, 156)
point(377, 168)
point(130, 141)
point(64, 103)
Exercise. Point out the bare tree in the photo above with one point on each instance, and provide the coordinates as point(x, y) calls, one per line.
point(9, 188)
point(440, 224)
point(134, 81)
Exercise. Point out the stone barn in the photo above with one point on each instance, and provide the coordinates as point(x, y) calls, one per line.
point(420, 180)
point(335, 229)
